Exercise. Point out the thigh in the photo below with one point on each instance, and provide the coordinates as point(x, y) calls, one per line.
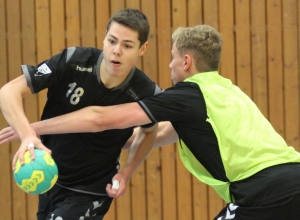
point(44, 207)
point(81, 206)
point(283, 210)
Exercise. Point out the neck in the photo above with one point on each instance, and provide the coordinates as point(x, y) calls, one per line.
point(108, 80)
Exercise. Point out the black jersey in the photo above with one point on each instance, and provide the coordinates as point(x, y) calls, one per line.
point(86, 161)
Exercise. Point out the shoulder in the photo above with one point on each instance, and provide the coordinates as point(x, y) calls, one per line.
point(187, 93)
point(142, 81)
point(138, 85)
point(140, 75)
point(180, 101)
point(188, 88)
point(81, 53)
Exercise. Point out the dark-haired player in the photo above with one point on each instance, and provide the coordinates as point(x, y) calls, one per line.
point(76, 78)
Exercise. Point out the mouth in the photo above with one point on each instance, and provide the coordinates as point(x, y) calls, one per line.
point(115, 62)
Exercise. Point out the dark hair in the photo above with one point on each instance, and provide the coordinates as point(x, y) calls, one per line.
point(135, 20)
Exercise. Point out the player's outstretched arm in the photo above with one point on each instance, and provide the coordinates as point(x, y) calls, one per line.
point(165, 132)
point(94, 119)
point(140, 148)
point(89, 120)
point(11, 103)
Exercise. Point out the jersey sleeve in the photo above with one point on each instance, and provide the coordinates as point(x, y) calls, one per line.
point(173, 104)
point(156, 91)
point(47, 73)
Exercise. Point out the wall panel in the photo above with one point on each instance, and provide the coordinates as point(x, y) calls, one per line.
point(290, 71)
point(275, 65)
point(29, 57)
point(14, 57)
point(6, 181)
point(259, 55)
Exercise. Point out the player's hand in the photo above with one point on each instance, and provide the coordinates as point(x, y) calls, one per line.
point(118, 188)
point(8, 134)
point(29, 144)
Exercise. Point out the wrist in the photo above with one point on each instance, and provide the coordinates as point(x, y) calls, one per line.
point(126, 172)
point(26, 133)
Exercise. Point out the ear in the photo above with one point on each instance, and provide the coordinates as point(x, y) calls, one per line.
point(188, 61)
point(143, 49)
point(105, 36)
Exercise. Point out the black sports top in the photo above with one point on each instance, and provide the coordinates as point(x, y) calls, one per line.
point(86, 161)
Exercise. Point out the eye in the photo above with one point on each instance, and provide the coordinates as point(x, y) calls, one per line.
point(111, 41)
point(128, 46)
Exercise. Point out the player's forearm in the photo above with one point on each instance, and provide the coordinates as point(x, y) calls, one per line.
point(131, 139)
point(139, 150)
point(12, 108)
point(95, 119)
point(165, 135)
point(83, 120)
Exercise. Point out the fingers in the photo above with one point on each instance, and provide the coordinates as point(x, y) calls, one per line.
point(20, 154)
point(6, 140)
point(7, 135)
point(29, 145)
point(36, 143)
point(115, 190)
point(111, 192)
point(5, 130)
point(41, 146)
point(15, 158)
point(116, 185)
point(30, 148)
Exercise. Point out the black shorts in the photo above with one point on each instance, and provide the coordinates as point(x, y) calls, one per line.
point(286, 209)
point(64, 204)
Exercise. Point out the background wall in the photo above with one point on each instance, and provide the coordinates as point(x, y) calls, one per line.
point(261, 55)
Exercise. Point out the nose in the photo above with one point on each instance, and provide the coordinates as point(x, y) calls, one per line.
point(117, 50)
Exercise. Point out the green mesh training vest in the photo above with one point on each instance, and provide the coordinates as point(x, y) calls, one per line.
point(247, 141)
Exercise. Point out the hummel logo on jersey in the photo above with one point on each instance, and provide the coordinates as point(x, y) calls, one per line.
point(43, 70)
point(132, 94)
point(84, 69)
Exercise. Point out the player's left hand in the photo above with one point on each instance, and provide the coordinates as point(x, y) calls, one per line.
point(7, 135)
point(29, 144)
point(118, 188)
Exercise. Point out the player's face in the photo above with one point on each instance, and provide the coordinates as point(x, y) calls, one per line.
point(177, 65)
point(121, 50)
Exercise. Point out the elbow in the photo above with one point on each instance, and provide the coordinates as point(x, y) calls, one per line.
point(2, 93)
point(97, 125)
point(96, 120)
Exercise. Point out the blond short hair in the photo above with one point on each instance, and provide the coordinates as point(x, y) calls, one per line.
point(203, 42)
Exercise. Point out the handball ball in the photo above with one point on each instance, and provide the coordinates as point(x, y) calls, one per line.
point(36, 176)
